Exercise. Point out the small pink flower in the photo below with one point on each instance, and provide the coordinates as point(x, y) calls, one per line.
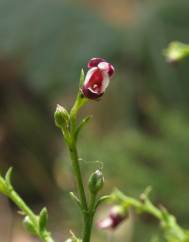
point(97, 78)
point(116, 216)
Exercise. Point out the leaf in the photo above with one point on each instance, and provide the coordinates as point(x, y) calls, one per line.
point(43, 218)
point(8, 177)
point(75, 199)
point(82, 78)
point(102, 199)
point(82, 124)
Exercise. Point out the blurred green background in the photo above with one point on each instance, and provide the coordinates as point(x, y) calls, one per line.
point(140, 128)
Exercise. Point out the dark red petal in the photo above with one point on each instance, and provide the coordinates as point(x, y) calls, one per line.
point(95, 81)
point(107, 67)
point(94, 62)
point(111, 70)
point(116, 220)
point(89, 94)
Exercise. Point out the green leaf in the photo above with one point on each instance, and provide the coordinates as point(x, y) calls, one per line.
point(82, 78)
point(8, 177)
point(75, 199)
point(102, 199)
point(43, 218)
point(82, 124)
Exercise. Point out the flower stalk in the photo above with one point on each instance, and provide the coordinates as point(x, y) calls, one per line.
point(87, 210)
point(92, 86)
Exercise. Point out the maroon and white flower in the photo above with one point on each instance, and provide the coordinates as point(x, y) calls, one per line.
point(116, 216)
point(97, 78)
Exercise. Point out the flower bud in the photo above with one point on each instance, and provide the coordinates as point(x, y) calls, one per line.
point(61, 117)
point(116, 216)
point(176, 51)
point(94, 62)
point(97, 78)
point(96, 181)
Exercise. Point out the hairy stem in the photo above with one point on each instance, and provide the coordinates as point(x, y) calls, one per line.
point(80, 100)
point(22, 206)
point(89, 221)
point(78, 175)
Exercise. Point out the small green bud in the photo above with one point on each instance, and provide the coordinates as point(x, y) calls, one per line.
point(96, 181)
point(176, 51)
point(61, 117)
point(29, 225)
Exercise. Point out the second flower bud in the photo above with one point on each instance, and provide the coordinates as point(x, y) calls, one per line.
point(61, 117)
point(96, 181)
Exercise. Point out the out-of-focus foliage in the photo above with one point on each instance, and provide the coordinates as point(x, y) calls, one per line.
point(171, 230)
point(134, 159)
point(53, 39)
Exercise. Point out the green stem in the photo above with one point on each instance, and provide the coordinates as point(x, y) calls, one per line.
point(22, 206)
point(80, 100)
point(45, 237)
point(77, 173)
point(145, 206)
point(88, 212)
point(89, 221)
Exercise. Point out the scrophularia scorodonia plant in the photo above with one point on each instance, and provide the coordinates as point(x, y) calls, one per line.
point(92, 86)
point(97, 78)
